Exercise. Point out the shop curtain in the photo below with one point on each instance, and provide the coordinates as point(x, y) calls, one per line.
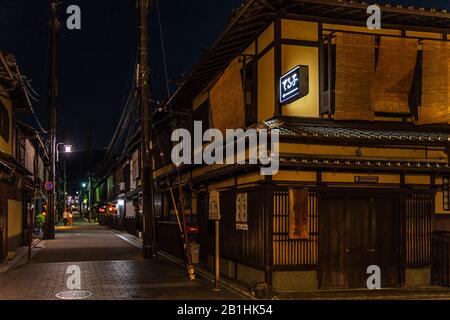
point(298, 214)
point(394, 75)
point(435, 106)
point(355, 71)
point(227, 99)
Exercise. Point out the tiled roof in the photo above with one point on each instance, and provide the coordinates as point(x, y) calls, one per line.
point(346, 134)
point(388, 5)
point(313, 161)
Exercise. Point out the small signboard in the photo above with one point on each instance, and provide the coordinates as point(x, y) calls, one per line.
point(49, 186)
point(214, 205)
point(294, 84)
point(241, 211)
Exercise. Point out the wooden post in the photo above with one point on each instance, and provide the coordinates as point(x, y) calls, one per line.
point(149, 241)
point(31, 225)
point(187, 249)
point(217, 257)
point(52, 92)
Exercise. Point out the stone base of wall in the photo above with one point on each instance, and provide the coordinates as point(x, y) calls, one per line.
point(282, 281)
point(294, 281)
point(237, 271)
point(417, 277)
point(297, 281)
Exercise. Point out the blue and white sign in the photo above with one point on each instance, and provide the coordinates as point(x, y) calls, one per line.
point(294, 84)
point(49, 186)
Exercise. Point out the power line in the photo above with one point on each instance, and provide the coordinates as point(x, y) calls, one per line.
point(163, 49)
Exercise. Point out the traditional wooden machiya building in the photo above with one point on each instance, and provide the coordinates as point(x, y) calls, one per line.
point(364, 119)
point(22, 156)
point(117, 194)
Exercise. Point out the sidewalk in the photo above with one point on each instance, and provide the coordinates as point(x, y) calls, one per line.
point(201, 272)
point(21, 253)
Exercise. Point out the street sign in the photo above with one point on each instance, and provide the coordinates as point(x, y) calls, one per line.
point(214, 205)
point(241, 211)
point(49, 186)
point(294, 84)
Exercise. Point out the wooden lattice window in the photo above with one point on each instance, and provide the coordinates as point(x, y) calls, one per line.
point(446, 190)
point(419, 211)
point(249, 83)
point(289, 252)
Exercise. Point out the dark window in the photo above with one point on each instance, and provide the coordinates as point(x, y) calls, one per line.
point(202, 114)
point(415, 95)
point(4, 122)
point(20, 149)
point(446, 190)
point(249, 82)
point(126, 172)
point(328, 76)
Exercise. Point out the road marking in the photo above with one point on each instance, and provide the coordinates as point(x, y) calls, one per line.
point(73, 295)
point(133, 243)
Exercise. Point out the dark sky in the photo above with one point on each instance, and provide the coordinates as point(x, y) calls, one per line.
point(96, 63)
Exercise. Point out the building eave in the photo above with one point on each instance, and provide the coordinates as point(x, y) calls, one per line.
point(256, 15)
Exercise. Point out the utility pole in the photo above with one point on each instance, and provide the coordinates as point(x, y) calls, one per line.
point(65, 186)
point(52, 92)
point(90, 164)
point(149, 241)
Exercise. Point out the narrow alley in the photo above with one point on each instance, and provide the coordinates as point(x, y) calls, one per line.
point(111, 269)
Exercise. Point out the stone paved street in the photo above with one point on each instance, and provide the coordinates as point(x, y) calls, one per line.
point(111, 268)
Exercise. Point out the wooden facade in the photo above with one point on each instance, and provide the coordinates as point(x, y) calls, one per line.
point(22, 162)
point(371, 154)
point(372, 159)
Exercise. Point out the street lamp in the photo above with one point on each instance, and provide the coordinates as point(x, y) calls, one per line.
point(67, 149)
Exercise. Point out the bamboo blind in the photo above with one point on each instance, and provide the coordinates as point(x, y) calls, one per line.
point(355, 70)
point(394, 75)
point(435, 106)
point(227, 99)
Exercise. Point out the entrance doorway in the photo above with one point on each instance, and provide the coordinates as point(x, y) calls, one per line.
point(357, 231)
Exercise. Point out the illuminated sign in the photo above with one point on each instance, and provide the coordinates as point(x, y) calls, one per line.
point(192, 229)
point(294, 84)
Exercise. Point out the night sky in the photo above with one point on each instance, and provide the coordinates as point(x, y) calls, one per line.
point(97, 62)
